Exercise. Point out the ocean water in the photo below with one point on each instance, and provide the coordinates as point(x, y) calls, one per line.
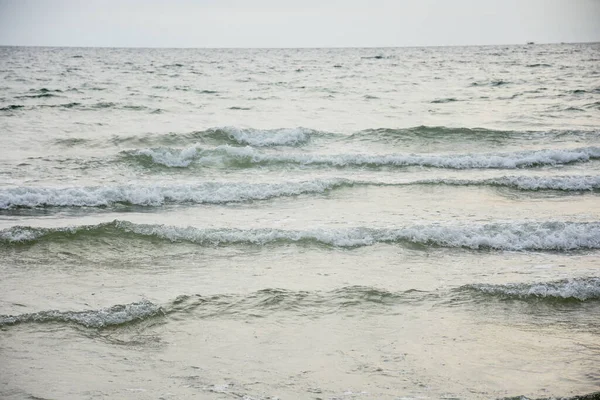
point(398, 223)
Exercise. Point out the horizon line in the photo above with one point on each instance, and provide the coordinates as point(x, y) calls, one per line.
point(532, 43)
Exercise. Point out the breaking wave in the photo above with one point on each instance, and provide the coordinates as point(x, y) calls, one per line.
point(102, 318)
point(217, 136)
point(248, 156)
point(260, 138)
point(567, 183)
point(295, 137)
point(542, 236)
point(205, 193)
point(581, 289)
point(231, 192)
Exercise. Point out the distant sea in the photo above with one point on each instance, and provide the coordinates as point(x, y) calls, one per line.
point(381, 223)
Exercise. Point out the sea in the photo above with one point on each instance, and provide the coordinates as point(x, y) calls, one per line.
point(356, 223)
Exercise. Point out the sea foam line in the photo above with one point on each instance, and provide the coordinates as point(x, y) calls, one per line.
point(516, 236)
point(300, 136)
point(231, 192)
point(157, 195)
point(581, 289)
point(248, 156)
point(102, 318)
point(568, 183)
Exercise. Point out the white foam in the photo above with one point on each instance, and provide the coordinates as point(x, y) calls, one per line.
point(581, 289)
point(116, 315)
point(566, 183)
point(341, 238)
point(510, 236)
point(20, 234)
point(556, 236)
point(156, 195)
point(183, 158)
point(226, 192)
point(272, 137)
point(170, 157)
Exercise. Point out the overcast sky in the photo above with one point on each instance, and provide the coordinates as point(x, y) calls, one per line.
point(295, 23)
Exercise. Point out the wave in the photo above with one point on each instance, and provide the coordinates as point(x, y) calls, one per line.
point(590, 396)
point(218, 136)
point(45, 90)
point(40, 93)
point(377, 57)
point(37, 96)
point(595, 105)
point(444, 100)
point(256, 304)
point(436, 134)
point(571, 183)
point(244, 157)
point(72, 142)
point(580, 289)
point(176, 65)
point(102, 318)
point(22, 107)
point(423, 133)
point(240, 108)
point(232, 192)
point(260, 137)
point(62, 105)
point(493, 83)
point(72, 105)
point(268, 301)
point(538, 65)
point(518, 236)
point(307, 303)
point(301, 136)
point(205, 193)
point(12, 107)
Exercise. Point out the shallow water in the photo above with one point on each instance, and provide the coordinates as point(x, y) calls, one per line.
point(318, 223)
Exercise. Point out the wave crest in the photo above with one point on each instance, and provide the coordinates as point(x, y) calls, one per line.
point(259, 303)
point(572, 183)
point(581, 289)
point(102, 318)
point(247, 157)
point(232, 192)
point(296, 137)
point(273, 300)
point(543, 236)
point(263, 138)
point(205, 193)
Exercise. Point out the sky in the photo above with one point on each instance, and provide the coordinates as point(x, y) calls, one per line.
point(295, 23)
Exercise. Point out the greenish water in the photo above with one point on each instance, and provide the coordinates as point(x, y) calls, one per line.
point(416, 223)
